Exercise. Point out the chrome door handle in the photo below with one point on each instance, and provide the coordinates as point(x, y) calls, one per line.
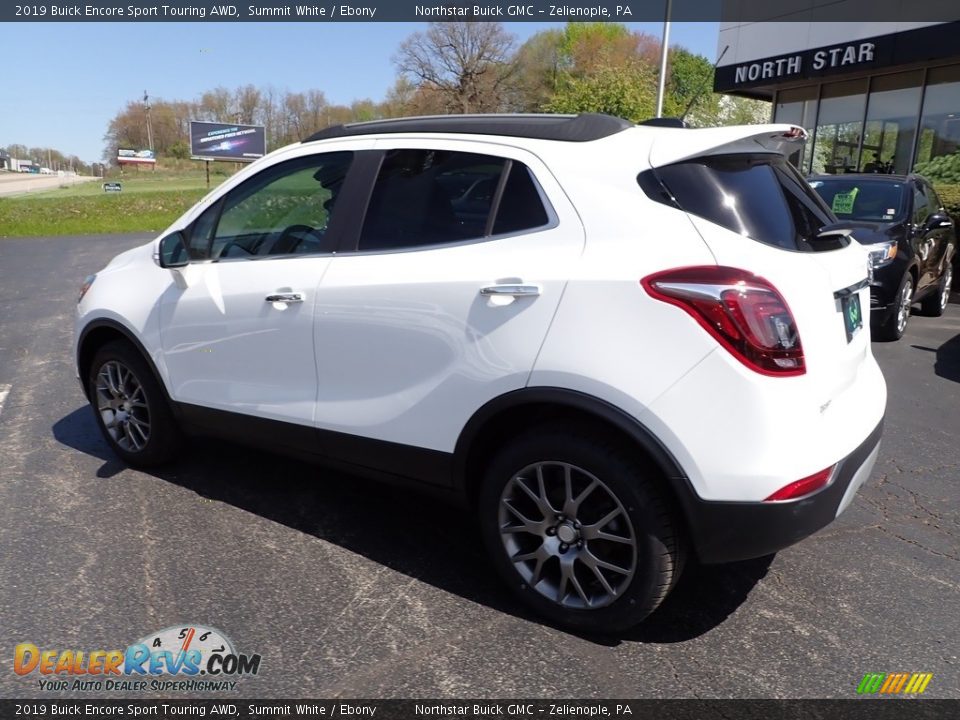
point(285, 298)
point(513, 290)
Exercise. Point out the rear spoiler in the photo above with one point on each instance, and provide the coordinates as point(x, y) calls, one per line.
point(781, 139)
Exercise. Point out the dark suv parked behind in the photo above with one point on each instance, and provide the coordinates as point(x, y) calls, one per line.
point(910, 237)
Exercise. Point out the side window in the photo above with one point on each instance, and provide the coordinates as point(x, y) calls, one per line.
point(521, 207)
point(920, 209)
point(201, 232)
point(284, 210)
point(809, 211)
point(430, 197)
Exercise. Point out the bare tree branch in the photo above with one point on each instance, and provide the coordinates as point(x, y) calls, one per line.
point(470, 64)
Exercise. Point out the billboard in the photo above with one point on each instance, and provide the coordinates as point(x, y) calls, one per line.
point(227, 141)
point(135, 157)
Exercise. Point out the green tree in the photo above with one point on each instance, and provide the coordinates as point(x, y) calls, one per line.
point(629, 94)
point(689, 92)
point(538, 68)
point(605, 68)
point(734, 110)
point(179, 150)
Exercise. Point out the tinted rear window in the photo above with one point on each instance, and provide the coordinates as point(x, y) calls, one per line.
point(430, 197)
point(760, 196)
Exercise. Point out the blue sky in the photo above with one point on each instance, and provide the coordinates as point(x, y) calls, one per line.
point(64, 82)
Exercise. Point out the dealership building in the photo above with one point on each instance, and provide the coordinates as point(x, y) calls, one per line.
point(874, 96)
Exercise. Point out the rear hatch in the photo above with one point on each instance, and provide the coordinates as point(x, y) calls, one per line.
point(755, 212)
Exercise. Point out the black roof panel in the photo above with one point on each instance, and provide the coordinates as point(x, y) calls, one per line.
point(568, 128)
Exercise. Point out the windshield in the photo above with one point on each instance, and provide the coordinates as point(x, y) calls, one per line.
point(862, 199)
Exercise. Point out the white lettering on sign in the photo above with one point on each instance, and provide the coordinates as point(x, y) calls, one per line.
point(793, 64)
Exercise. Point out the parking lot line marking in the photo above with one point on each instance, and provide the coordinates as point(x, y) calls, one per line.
point(4, 391)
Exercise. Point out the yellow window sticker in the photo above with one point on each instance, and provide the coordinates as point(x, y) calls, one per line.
point(843, 202)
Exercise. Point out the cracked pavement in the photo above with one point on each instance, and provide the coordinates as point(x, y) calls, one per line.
point(349, 589)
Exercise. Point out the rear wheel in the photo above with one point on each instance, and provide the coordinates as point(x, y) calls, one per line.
point(130, 407)
point(579, 529)
point(935, 304)
point(896, 324)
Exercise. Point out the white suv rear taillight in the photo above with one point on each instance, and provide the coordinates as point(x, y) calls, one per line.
point(744, 312)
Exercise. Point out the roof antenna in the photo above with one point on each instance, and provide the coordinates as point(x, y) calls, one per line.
point(699, 94)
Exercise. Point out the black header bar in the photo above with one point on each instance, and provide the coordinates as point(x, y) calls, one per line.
point(425, 11)
point(517, 709)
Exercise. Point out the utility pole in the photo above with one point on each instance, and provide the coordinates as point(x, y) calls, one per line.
point(146, 101)
point(664, 47)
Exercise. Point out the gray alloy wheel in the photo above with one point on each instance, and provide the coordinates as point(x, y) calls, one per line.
point(580, 526)
point(567, 535)
point(935, 304)
point(946, 287)
point(904, 301)
point(130, 406)
point(122, 405)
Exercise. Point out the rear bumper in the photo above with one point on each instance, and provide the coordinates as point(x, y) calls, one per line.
point(730, 531)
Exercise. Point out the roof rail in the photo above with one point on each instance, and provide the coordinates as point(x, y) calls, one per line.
point(568, 128)
point(664, 122)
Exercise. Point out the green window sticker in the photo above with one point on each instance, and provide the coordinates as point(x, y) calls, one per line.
point(843, 202)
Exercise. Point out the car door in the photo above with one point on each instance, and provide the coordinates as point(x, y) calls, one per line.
point(445, 295)
point(924, 241)
point(237, 325)
point(942, 232)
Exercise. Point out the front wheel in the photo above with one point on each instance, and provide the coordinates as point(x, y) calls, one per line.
point(935, 304)
point(896, 324)
point(579, 529)
point(130, 407)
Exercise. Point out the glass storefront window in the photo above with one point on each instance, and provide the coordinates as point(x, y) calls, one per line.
point(799, 107)
point(837, 143)
point(938, 152)
point(891, 127)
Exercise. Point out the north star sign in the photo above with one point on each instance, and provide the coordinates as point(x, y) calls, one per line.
point(790, 65)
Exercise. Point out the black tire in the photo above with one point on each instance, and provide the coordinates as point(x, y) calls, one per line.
point(628, 485)
point(896, 324)
point(149, 436)
point(935, 304)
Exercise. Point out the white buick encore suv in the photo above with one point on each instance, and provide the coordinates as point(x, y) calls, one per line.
point(617, 344)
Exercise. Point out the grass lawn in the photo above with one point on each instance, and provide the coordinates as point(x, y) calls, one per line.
point(149, 201)
point(94, 214)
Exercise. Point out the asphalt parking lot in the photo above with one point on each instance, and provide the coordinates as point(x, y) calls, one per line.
point(348, 589)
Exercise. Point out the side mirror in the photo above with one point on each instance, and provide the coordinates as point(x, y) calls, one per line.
point(937, 221)
point(172, 251)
